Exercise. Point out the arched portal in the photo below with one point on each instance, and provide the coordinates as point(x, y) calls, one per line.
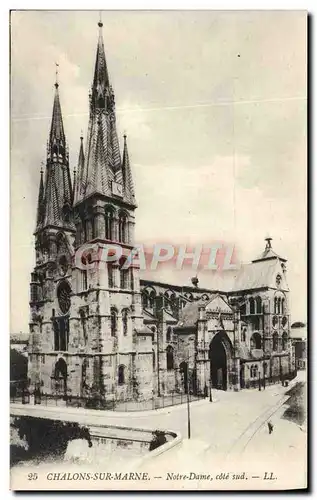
point(60, 376)
point(219, 352)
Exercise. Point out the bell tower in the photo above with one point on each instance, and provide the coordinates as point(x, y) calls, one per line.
point(50, 287)
point(107, 316)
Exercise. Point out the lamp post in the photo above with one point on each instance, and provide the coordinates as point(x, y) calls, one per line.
point(188, 405)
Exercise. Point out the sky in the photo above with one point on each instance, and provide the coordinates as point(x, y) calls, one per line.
point(214, 106)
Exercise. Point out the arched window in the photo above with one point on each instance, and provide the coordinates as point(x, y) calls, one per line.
point(243, 309)
point(123, 225)
point(110, 275)
point(252, 308)
point(125, 321)
point(60, 371)
point(284, 341)
point(121, 374)
point(279, 305)
point(109, 223)
point(124, 278)
point(170, 358)
point(258, 305)
point(114, 322)
point(167, 301)
point(283, 306)
point(255, 342)
point(243, 334)
point(145, 300)
point(275, 305)
point(152, 299)
point(275, 342)
point(168, 334)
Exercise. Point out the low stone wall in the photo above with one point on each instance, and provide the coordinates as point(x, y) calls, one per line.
point(43, 438)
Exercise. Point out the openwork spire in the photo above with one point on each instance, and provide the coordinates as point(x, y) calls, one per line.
point(101, 86)
point(58, 194)
point(101, 172)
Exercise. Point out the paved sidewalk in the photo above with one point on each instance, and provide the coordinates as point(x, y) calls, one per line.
point(218, 424)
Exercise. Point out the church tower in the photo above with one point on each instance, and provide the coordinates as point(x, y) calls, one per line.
point(54, 239)
point(107, 305)
point(88, 336)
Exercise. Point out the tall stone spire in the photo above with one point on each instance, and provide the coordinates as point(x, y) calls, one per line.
point(101, 172)
point(58, 194)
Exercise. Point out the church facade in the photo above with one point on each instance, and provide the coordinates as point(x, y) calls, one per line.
point(97, 330)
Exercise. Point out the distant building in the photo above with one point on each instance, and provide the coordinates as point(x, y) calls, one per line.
point(298, 335)
point(19, 342)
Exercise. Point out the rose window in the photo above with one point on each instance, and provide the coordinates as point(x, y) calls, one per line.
point(63, 296)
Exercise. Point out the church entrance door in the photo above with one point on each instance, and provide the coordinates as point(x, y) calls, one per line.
point(218, 363)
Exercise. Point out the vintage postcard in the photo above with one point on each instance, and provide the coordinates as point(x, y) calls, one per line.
point(158, 219)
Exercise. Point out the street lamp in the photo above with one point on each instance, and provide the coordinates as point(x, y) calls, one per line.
point(188, 400)
point(188, 405)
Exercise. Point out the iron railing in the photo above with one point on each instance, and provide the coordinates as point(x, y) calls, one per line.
point(103, 403)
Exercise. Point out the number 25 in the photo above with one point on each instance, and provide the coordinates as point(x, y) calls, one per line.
point(32, 476)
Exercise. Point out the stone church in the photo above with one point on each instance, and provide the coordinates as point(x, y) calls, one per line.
point(103, 332)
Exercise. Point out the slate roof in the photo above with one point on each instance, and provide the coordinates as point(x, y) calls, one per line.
point(144, 330)
point(269, 254)
point(255, 275)
point(190, 313)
